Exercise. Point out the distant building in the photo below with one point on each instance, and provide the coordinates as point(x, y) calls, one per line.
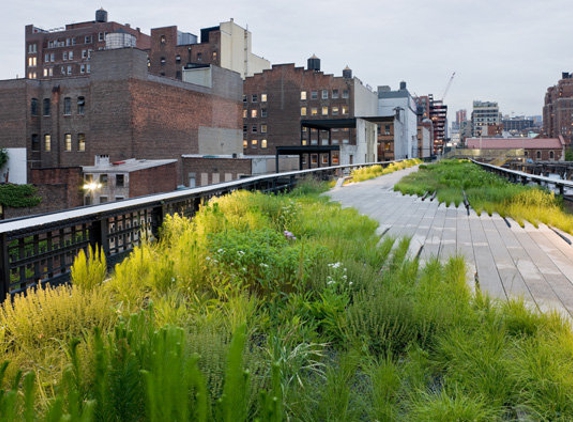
point(66, 52)
point(486, 119)
point(107, 181)
point(402, 106)
point(436, 112)
point(558, 109)
point(537, 149)
point(288, 106)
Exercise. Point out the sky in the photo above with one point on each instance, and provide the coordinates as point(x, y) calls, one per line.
point(505, 51)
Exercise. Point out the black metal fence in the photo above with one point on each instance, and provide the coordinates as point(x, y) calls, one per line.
point(41, 249)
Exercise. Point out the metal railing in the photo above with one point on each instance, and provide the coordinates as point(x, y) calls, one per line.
point(526, 178)
point(41, 249)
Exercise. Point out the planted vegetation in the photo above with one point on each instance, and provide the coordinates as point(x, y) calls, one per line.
point(277, 308)
point(487, 192)
point(361, 174)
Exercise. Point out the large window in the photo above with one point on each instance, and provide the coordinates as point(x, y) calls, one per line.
point(46, 106)
point(81, 142)
point(47, 142)
point(68, 142)
point(119, 180)
point(67, 105)
point(81, 105)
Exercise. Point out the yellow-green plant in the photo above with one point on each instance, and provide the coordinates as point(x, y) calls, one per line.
point(89, 270)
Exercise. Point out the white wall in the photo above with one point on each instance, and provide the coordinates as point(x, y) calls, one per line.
point(15, 169)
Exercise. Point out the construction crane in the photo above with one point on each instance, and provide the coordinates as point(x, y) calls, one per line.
point(448, 86)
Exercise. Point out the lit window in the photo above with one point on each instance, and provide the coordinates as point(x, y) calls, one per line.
point(263, 98)
point(68, 142)
point(325, 111)
point(47, 143)
point(303, 95)
point(245, 144)
point(254, 113)
point(163, 40)
point(263, 128)
point(244, 114)
point(335, 111)
point(32, 61)
point(303, 111)
point(254, 143)
point(81, 142)
point(314, 111)
point(344, 109)
point(263, 143)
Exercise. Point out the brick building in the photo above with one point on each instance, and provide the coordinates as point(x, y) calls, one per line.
point(558, 109)
point(66, 52)
point(536, 149)
point(288, 106)
point(120, 111)
point(113, 181)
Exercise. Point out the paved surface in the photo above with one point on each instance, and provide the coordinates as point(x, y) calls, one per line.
point(507, 260)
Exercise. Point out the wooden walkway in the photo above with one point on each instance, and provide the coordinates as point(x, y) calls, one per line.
point(505, 259)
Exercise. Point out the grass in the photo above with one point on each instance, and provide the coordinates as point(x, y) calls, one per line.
point(227, 318)
point(487, 193)
point(361, 174)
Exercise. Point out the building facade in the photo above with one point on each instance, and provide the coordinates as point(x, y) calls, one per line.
point(67, 52)
point(486, 119)
point(558, 109)
point(280, 105)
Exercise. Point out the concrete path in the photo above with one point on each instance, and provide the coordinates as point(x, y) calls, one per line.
point(505, 259)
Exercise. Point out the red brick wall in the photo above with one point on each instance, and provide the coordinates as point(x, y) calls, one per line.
point(153, 180)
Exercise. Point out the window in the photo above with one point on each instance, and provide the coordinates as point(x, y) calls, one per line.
point(551, 155)
point(263, 98)
point(162, 39)
point(325, 111)
point(254, 98)
point(103, 179)
point(65, 55)
point(47, 142)
point(32, 48)
point(87, 39)
point(263, 112)
point(245, 144)
point(214, 57)
point(35, 142)
point(263, 128)
point(102, 199)
point(254, 143)
point(303, 111)
point(88, 67)
point(32, 75)
point(68, 142)
point(101, 36)
point(46, 106)
point(82, 69)
point(84, 54)
point(254, 113)
point(254, 129)
point(335, 93)
point(263, 143)
point(81, 105)
point(81, 142)
point(178, 59)
point(538, 155)
point(345, 93)
point(69, 70)
point(244, 99)
point(52, 57)
point(71, 55)
point(325, 94)
point(119, 180)
point(335, 111)
point(344, 109)
point(162, 60)
point(34, 107)
point(199, 57)
point(244, 128)
point(314, 111)
point(314, 95)
point(245, 114)
point(387, 130)
point(49, 71)
point(303, 95)
point(67, 106)
point(32, 61)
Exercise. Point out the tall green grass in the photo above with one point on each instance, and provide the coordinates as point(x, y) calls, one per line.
point(487, 193)
point(227, 317)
